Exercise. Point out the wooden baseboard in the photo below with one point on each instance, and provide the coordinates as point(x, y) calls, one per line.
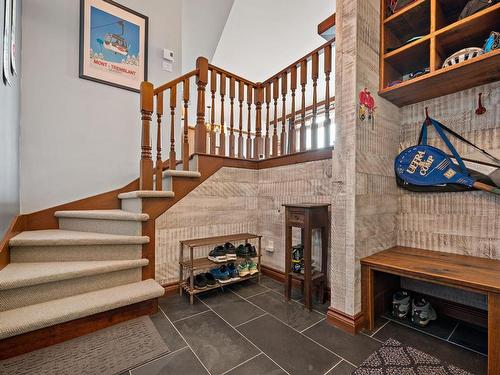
point(41, 338)
point(171, 289)
point(350, 324)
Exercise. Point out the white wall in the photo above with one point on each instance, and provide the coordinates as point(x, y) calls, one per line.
point(202, 24)
point(9, 136)
point(261, 37)
point(80, 138)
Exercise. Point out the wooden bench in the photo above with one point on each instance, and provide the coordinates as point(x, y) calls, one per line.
point(381, 274)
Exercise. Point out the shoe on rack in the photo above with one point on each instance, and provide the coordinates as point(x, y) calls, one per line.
point(252, 253)
point(221, 274)
point(230, 251)
point(298, 252)
point(233, 271)
point(218, 254)
point(400, 304)
point(200, 281)
point(210, 279)
point(422, 312)
point(242, 251)
point(252, 267)
point(243, 269)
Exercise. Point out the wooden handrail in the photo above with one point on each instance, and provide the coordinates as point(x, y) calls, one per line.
point(232, 75)
point(307, 57)
point(246, 137)
point(175, 82)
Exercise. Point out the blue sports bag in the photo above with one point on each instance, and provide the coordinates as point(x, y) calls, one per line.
point(424, 168)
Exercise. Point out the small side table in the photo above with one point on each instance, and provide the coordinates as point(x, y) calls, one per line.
point(307, 217)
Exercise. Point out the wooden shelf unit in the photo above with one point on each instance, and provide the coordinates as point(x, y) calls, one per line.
point(442, 34)
point(192, 264)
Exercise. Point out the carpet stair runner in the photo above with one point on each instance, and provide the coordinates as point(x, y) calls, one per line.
point(91, 264)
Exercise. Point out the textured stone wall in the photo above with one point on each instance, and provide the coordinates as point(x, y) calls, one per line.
point(225, 203)
point(462, 223)
point(307, 182)
point(240, 200)
point(364, 194)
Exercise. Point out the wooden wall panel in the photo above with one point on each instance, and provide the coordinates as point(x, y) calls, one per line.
point(240, 200)
point(365, 196)
point(462, 223)
point(223, 204)
point(307, 182)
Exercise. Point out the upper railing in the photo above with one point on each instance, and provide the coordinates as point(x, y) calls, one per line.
point(234, 125)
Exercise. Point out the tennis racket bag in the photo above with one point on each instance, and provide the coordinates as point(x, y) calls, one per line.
point(423, 168)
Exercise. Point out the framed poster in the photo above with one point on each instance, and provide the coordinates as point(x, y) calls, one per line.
point(113, 44)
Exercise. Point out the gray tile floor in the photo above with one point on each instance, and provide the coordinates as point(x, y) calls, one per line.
point(249, 328)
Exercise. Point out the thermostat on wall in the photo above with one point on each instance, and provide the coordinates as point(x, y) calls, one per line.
point(168, 55)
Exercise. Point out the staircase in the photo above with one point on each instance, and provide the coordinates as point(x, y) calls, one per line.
point(69, 270)
point(90, 265)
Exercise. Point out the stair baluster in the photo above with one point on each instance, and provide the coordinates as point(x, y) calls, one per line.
point(222, 135)
point(291, 131)
point(328, 70)
point(314, 123)
point(185, 147)
point(159, 163)
point(303, 83)
point(173, 101)
point(232, 90)
point(213, 89)
point(284, 90)
point(241, 93)
point(249, 122)
point(257, 143)
point(275, 130)
point(267, 144)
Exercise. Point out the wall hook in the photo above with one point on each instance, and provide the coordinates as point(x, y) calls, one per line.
point(480, 108)
point(427, 118)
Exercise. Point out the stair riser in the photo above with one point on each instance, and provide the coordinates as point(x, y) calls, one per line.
point(132, 205)
point(19, 297)
point(167, 183)
point(74, 253)
point(193, 163)
point(129, 228)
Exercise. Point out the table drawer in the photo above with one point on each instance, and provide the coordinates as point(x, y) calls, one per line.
point(295, 216)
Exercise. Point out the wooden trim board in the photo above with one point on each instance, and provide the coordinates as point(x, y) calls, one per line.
point(326, 24)
point(348, 323)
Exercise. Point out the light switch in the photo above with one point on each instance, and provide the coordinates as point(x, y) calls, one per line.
point(167, 66)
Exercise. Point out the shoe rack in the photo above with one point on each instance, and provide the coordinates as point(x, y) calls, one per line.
point(189, 265)
point(442, 34)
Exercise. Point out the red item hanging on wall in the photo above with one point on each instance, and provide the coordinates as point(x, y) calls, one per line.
point(480, 108)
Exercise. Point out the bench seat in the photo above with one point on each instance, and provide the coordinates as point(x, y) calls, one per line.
point(480, 275)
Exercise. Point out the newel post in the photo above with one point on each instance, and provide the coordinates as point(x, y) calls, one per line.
point(200, 142)
point(146, 166)
point(259, 99)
